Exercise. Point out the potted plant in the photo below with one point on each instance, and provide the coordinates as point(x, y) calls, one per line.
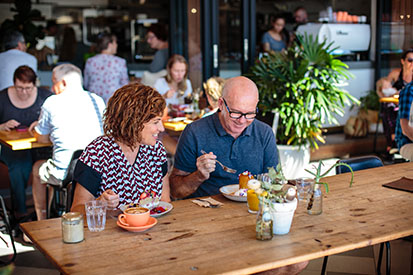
point(369, 109)
point(315, 200)
point(277, 198)
point(301, 85)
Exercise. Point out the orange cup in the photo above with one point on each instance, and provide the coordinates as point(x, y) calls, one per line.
point(134, 216)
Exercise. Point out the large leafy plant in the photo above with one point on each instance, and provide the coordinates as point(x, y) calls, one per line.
point(302, 84)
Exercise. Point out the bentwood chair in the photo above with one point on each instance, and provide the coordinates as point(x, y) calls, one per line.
point(361, 163)
point(62, 192)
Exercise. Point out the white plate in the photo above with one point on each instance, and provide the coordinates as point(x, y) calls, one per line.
point(228, 192)
point(165, 205)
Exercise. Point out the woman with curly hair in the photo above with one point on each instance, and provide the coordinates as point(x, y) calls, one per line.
point(128, 160)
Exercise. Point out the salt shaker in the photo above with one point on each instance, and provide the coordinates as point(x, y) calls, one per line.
point(72, 227)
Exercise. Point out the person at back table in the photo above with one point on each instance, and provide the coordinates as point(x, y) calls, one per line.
point(71, 119)
point(14, 56)
point(129, 161)
point(105, 72)
point(19, 107)
point(157, 38)
point(233, 136)
point(175, 86)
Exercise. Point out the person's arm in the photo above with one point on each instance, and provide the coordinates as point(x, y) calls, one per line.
point(40, 138)
point(394, 75)
point(124, 79)
point(406, 129)
point(8, 125)
point(266, 47)
point(82, 195)
point(166, 190)
point(184, 183)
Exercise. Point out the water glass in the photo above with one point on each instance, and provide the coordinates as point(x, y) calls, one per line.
point(304, 186)
point(96, 215)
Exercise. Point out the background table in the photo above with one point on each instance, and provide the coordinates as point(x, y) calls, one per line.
point(195, 240)
point(20, 140)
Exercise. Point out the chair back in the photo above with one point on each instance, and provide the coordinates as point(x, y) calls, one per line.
point(359, 163)
point(71, 168)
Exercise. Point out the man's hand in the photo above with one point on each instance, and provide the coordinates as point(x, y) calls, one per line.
point(111, 198)
point(206, 165)
point(11, 124)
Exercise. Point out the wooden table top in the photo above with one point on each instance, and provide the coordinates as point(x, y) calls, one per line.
point(195, 240)
point(20, 140)
point(391, 99)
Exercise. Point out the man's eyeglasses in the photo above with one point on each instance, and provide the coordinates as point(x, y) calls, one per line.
point(238, 115)
point(26, 89)
point(410, 60)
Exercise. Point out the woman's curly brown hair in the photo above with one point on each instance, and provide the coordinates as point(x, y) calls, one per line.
point(128, 109)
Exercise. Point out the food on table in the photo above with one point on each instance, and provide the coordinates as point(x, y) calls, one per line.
point(241, 192)
point(158, 210)
point(244, 178)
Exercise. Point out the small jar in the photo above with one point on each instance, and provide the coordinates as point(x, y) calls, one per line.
point(72, 227)
point(264, 225)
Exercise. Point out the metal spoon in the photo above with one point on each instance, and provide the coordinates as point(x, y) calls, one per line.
point(225, 168)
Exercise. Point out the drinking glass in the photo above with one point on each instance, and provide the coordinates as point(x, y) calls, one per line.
point(304, 186)
point(252, 201)
point(96, 215)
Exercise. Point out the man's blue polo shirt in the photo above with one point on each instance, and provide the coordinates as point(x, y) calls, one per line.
point(405, 101)
point(254, 150)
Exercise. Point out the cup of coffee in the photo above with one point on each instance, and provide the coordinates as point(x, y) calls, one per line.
point(134, 216)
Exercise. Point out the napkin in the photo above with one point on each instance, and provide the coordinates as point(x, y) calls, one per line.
point(404, 184)
point(207, 202)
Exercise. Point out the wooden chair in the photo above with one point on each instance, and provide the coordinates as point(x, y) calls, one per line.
point(361, 163)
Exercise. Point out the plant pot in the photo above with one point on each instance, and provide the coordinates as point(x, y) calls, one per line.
point(293, 160)
point(282, 216)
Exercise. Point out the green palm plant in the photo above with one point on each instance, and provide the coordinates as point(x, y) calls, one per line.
point(301, 84)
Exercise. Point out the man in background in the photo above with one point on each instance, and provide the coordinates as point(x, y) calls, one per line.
point(13, 57)
point(300, 16)
point(71, 119)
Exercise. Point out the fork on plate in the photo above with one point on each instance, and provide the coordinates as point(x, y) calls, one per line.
point(225, 168)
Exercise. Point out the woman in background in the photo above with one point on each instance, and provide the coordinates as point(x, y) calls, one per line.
point(128, 160)
point(276, 39)
point(396, 80)
point(175, 86)
point(213, 90)
point(157, 38)
point(20, 106)
point(105, 73)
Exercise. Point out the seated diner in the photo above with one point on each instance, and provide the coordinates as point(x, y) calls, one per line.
point(19, 107)
point(128, 160)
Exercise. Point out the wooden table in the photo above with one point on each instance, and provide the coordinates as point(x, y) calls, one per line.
point(195, 240)
point(20, 140)
point(391, 99)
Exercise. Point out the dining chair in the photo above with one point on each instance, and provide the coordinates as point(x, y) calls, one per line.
point(61, 193)
point(361, 163)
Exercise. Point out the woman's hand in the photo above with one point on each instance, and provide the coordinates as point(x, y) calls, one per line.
point(169, 93)
point(111, 198)
point(11, 124)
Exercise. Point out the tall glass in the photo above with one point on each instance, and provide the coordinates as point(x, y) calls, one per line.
point(96, 215)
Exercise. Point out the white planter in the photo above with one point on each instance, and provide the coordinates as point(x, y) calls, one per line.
point(293, 160)
point(282, 216)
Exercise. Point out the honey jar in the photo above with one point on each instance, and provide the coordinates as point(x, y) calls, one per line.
point(72, 227)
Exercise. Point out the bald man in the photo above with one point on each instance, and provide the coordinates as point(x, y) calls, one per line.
point(232, 135)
